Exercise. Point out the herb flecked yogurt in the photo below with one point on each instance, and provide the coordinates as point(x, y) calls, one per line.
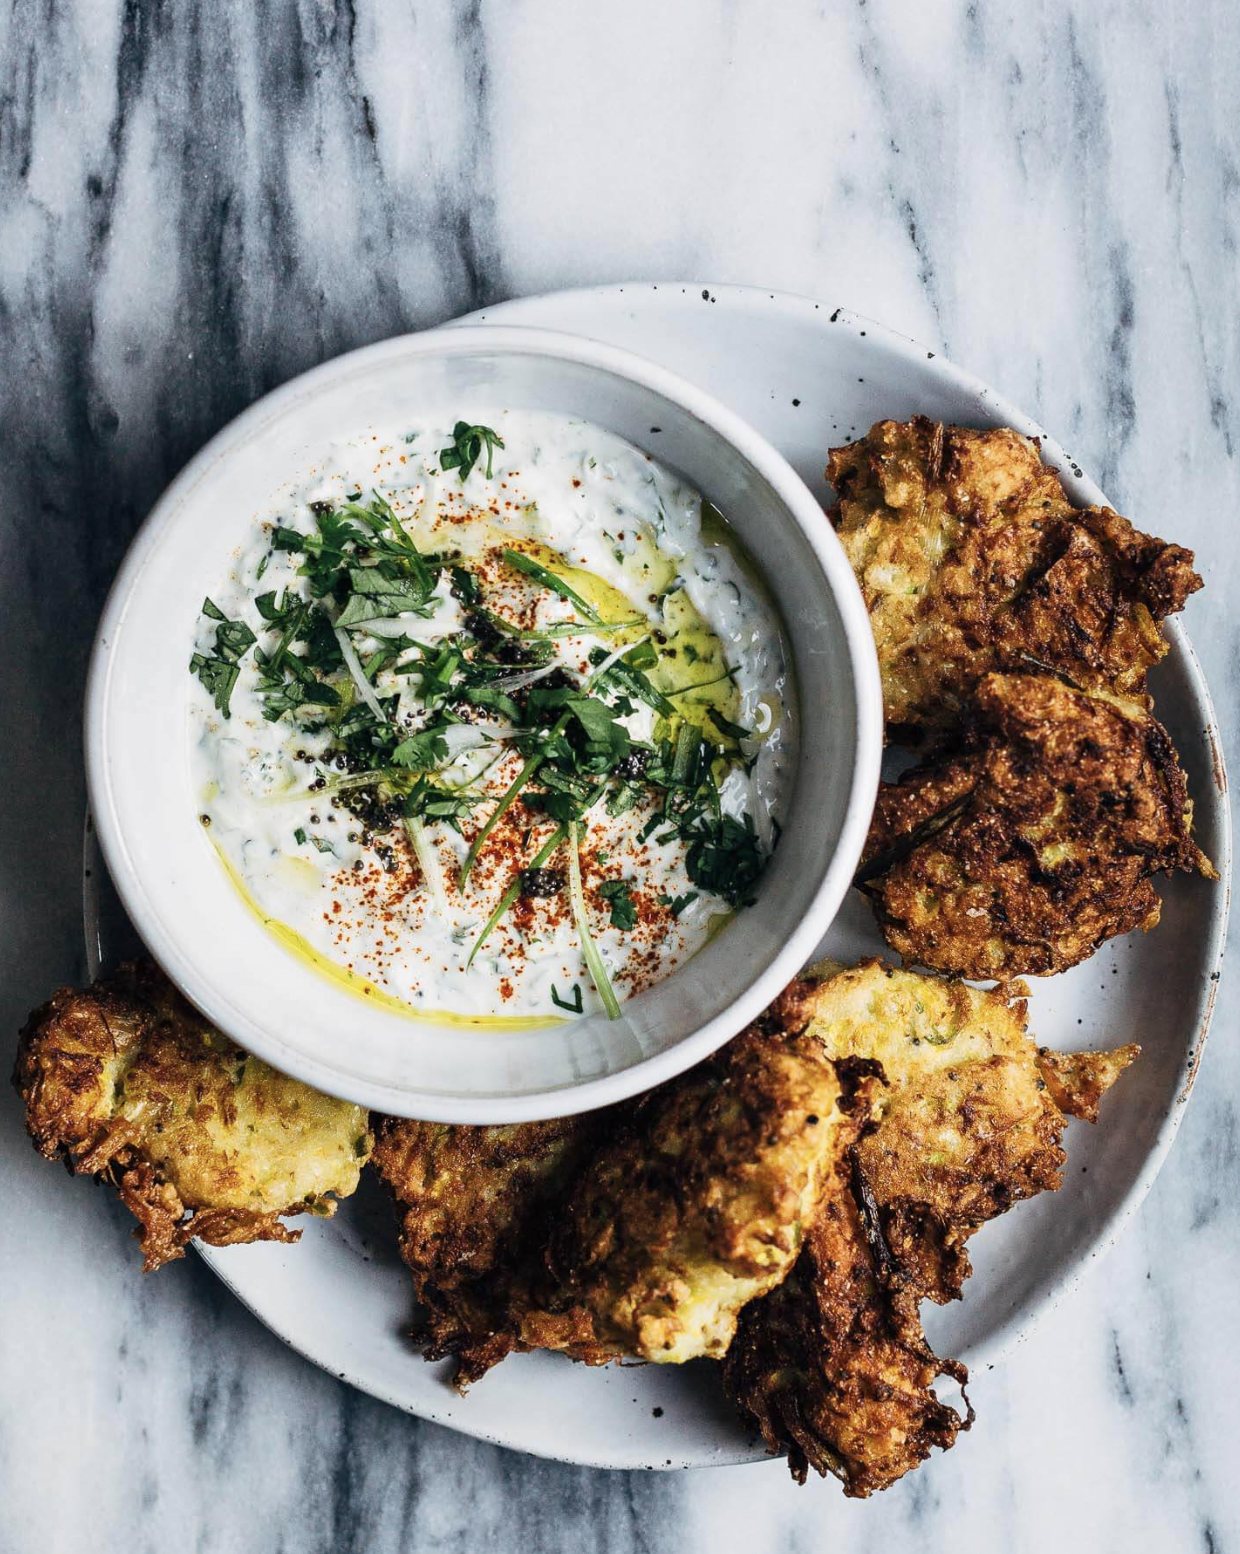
point(493, 720)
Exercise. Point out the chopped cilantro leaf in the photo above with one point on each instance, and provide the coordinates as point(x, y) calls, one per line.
point(422, 752)
point(724, 857)
point(495, 701)
point(465, 586)
point(218, 671)
point(623, 910)
point(376, 596)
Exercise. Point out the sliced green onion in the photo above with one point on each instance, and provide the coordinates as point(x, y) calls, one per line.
point(594, 961)
point(687, 741)
point(428, 862)
point(539, 858)
point(514, 787)
point(354, 665)
point(557, 585)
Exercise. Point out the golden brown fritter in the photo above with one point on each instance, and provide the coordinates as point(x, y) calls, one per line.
point(1036, 840)
point(700, 1201)
point(973, 1111)
point(833, 1366)
point(640, 1230)
point(971, 559)
point(475, 1206)
point(126, 1080)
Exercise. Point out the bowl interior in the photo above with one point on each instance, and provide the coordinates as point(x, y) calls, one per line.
point(208, 939)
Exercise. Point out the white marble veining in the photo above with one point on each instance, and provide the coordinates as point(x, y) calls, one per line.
point(197, 202)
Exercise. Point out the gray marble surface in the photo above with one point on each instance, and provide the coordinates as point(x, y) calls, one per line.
point(196, 202)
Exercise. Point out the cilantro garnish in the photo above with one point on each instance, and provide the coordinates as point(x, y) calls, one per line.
point(623, 673)
point(467, 446)
point(218, 670)
point(623, 909)
point(421, 752)
point(375, 596)
point(465, 586)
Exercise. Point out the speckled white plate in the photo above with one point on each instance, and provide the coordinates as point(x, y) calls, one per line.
point(807, 375)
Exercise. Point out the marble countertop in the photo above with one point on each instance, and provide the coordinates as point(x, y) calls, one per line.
point(197, 202)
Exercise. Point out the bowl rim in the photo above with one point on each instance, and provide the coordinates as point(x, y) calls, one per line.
point(861, 668)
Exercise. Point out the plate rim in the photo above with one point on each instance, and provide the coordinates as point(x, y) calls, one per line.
point(1083, 490)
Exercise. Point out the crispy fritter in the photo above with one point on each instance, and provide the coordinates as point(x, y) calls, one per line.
point(973, 1113)
point(834, 1365)
point(640, 1230)
point(127, 1081)
point(699, 1203)
point(1036, 840)
point(475, 1205)
point(972, 559)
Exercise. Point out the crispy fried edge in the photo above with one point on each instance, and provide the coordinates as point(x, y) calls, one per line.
point(52, 1080)
point(479, 1313)
point(1155, 576)
point(922, 808)
point(833, 1365)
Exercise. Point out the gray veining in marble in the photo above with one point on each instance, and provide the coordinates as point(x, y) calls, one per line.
point(198, 201)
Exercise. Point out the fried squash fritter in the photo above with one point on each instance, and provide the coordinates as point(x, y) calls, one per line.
point(475, 1206)
point(973, 1118)
point(126, 1081)
point(972, 559)
point(700, 1201)
point(784, 1206)
point(833, 1365)
point(1036, 840)
point(640, 1230)
point(973, 1111)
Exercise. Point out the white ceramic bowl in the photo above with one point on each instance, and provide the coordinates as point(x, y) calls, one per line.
point(238, 974)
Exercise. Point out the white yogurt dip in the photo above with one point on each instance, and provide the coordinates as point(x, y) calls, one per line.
point(575, 630)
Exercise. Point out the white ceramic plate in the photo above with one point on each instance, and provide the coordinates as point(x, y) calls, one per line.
point(807, 376)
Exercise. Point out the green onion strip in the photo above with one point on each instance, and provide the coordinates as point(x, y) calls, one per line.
point(428, 862)
point(594, 961)
point(539, 858)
